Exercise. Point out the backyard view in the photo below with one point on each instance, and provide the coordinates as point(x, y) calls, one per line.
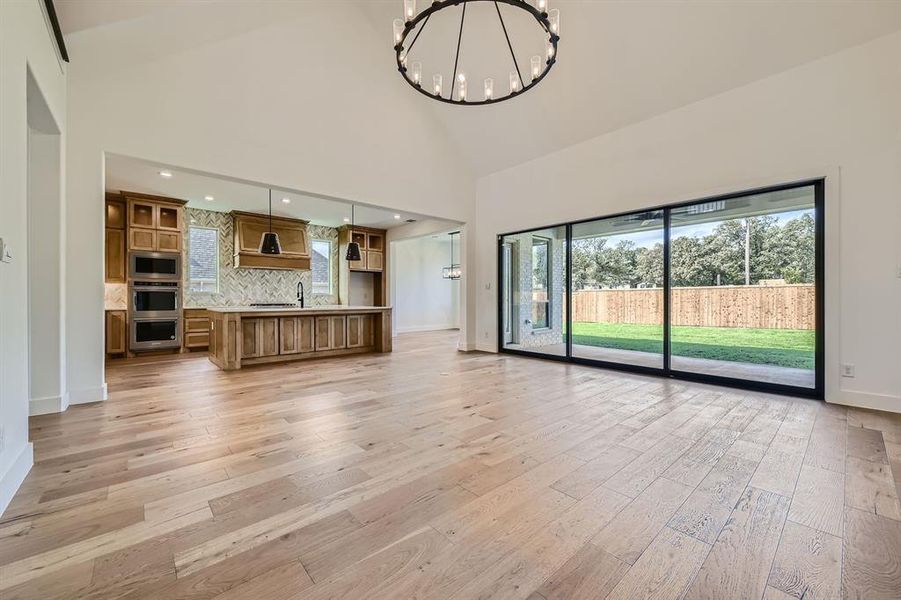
point(777, 347)
point(742, 296)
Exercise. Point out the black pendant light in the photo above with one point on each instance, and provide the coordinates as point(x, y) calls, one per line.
point(353, 248)
point(269, 244)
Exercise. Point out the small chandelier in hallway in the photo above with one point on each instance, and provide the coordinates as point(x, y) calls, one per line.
point(548, 20)
point(453, 270)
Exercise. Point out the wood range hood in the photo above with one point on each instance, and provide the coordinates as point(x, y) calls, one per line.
point(292, 234)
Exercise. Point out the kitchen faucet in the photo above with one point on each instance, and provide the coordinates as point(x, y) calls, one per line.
point(300, 293)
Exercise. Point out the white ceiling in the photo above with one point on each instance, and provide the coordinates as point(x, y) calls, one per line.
point(620, 62)
point(135, 175)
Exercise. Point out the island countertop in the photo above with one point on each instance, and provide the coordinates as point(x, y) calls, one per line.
point(329, 308)
point(247, 335)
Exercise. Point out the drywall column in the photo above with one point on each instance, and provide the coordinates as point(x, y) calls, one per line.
point(46, 316)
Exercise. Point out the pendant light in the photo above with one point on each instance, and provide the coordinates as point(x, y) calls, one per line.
point(453, 270)
point(269, 243)
point(353, 248)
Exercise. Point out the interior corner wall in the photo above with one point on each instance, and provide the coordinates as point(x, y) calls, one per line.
point(423, 299)
point(838, 117)
point(278, 103)
point(26, 46)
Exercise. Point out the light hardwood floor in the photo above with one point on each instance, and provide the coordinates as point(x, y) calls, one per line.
point(429, 473)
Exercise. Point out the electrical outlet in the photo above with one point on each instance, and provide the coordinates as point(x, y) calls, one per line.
point(847, 370)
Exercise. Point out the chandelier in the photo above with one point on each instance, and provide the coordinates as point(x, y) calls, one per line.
point(453, 270)
point(547, 20)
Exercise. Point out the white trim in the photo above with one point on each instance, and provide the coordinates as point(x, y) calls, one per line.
point(16, 474)
point(443, 327)
point(884, 402)
point(48, 405)
point(87, 395)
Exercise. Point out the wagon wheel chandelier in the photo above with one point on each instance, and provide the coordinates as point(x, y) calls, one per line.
point(547, 20)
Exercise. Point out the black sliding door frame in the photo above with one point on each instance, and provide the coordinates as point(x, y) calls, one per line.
point(818, 391)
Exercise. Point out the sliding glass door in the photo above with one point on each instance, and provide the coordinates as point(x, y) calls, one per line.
point(533, 288)
point(726, 290)
point(743, 287)
point(617, 282)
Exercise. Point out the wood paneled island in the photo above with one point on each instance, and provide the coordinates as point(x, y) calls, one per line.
point(241, 336)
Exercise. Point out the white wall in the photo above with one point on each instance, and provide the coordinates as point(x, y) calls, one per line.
point(26, 44)
point(423, 300)
point(260, 96)
point(838, 117)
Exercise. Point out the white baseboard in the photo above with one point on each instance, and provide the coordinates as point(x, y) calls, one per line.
point(444, 327)
point(87, 395)
point(48, 405)
point(486, 347)
point(884, 402)
point(16, 474)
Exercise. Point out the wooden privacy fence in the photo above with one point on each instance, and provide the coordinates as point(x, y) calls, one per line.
point(756, 306)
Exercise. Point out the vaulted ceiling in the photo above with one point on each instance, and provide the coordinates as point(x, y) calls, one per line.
point(619, 62)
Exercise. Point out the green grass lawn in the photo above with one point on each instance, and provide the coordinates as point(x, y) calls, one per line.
point(778, 347)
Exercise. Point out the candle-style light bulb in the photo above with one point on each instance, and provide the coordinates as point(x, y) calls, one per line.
point(409, 10)
point(542, 5)
point(461, 88)
point(536, 67)
point(553, 17)
point(417, 72)
point(550, 51)
point(514, 82)
point(489, 88)
point(403, 58)
point(437, 80)
point(398, 31)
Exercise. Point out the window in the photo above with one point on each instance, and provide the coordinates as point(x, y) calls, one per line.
point(322, 267)
point(203, 259)
point(541, 277)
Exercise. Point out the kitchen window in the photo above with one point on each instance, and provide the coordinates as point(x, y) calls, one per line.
point(203, 259)
point(322, 267)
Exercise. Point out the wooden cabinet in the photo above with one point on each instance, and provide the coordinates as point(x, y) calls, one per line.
point(115, 213)
point(359, 331)
point(168, 241)
point(116, 332)
point(115, 262)
point(197, 328)
point(372, 249)
point(292, 234)
point(296, 335)
point(142, 239)
point(155, 225)
point(331, 333)
point(259, 337)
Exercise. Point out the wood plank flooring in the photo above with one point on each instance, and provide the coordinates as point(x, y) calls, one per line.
point(429, 473)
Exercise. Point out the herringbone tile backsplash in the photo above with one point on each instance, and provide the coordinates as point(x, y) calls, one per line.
point(239, 287)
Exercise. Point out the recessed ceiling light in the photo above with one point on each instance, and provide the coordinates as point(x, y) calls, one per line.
point(346, 220)
point(397, 217)
point(286, 200)
point(208, 198)
point(166, 174)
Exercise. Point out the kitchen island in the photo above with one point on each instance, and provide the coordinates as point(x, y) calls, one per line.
point(244, 335)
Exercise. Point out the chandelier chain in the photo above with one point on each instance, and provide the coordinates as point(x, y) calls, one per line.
point(457, 59)
point(509, 45)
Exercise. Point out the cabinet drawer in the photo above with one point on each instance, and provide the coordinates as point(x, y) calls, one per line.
point(197, 324)
point(197, 339)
